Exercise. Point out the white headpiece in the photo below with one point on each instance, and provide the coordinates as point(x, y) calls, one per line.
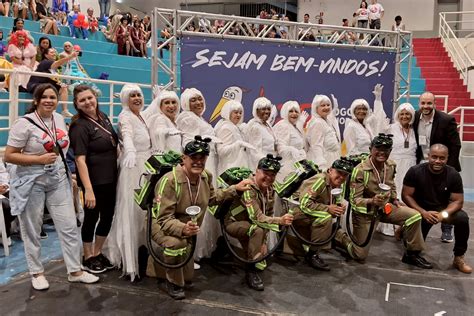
point(126, 91)
point(187, 95)
point(287, 107)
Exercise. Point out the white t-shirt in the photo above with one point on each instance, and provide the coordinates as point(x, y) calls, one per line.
point(34, 141)
point(375, 11)
point(363, 14)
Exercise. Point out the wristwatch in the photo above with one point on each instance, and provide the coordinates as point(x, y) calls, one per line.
point(444, 214)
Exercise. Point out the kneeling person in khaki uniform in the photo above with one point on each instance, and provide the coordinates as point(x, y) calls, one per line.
point(250, 218)
point(187, 185)
point(367, 198)
point(313, 217)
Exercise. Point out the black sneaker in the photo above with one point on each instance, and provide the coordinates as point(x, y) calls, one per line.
point(43, 234)
point(175, 291)
point(317, 262)
point(93, 265)
point(105, 262)
point(446, 233)
point(254, 281)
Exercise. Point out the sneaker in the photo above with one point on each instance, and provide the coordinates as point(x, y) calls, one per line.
point(197, 266)
point(446, 233)
point(461, 265)
point(105, 262)
point(85, 277)
point(43, 234)
point(317, 262)
point(67, 114)
point(9, 241)
point(40, 283)
point(93, 265)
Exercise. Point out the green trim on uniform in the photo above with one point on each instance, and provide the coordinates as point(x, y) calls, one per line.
point(305, 247)
point(321, 220)
point(412, 219)
point(222, 183)
point(161, 188)
point(305, 200)
point(360, 209)
point(150, 168)
point(212, 209)
point(174, 252)
point(261, 265)
point(279, 187)
point(236, 211)
point(177, 187)
point(251, 212)
point(349, 250)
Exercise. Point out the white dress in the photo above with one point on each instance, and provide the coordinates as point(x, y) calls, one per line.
point(164, 133)
point(323, 141)
point(290, 147)
point(357, 137)
point(191, 125)
point(231, 153)
point(128, 227)
point(262, 137)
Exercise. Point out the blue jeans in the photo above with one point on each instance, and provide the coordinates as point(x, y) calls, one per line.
point(104, 6)
point(84, 32)
point(57, 196)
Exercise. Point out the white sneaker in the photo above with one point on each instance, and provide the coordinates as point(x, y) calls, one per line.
point(9, 241)
point(196, 266)
point(85, 277)
point(39, 283)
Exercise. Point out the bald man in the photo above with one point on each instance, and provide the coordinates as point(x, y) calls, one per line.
point(435, 190)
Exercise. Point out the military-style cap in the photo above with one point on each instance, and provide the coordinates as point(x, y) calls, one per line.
point(383, 140)
point(197, 146)
point(270, 163)
point(343, 164)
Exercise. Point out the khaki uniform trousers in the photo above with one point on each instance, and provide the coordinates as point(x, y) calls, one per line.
point(252, 244)
point(307, 228)
point(404, 216)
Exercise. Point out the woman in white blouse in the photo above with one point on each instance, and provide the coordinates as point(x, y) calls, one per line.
point(322, 134)
point(191, 123)
point(289, 133)
point(233, 151)
point(260, 133)
point(164, 132)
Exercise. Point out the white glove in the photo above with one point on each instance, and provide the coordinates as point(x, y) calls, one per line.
point(301, 120)
point(156, 90)
point(335, 104)
point(241, 143)
point(378, 91)
point(130, 159)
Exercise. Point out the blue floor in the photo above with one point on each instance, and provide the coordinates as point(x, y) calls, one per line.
point(16, 263)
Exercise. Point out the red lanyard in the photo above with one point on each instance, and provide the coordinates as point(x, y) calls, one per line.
point(51, 133)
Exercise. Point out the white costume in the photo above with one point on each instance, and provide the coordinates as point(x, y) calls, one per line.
point(323, 137)
point(404, 157)
point(165, 135)
point(260, 134)
point(358, 136)
point(290, 140)
point(128, 227)
point(233, 151)
point(191, 125)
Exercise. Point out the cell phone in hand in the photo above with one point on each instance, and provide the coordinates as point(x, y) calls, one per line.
point(79, 54)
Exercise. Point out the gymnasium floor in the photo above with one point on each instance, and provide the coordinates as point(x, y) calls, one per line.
point(381, 286)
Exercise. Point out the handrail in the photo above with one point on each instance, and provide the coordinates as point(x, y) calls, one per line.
point(462, 123)
point(456, 50)
point(14, 100)
point(437, 96)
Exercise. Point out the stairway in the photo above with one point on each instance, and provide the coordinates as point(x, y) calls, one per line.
point(442, 78)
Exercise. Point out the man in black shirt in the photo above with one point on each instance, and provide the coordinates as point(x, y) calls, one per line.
point(435, 190)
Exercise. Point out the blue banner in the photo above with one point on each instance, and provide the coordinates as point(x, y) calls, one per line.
point(226, 69)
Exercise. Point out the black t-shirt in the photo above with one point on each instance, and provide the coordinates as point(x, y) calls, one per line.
point(432, 191)
point(43, 66)
point(101, 155)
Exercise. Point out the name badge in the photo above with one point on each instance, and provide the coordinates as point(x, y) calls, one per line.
point(422, 140)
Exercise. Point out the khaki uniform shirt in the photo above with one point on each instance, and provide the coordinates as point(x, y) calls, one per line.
point(255, 207)
point(172, 197)
point(314, 196)
point(364, 185)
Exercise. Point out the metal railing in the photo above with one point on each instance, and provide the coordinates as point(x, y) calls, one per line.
point(177, 22)
point(437, 96)
point(456, 50)
point(13, 100)
point(462, 124)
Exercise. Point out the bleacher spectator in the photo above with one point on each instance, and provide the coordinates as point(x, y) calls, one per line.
point(93, 22)
point(3, 47)
point(22, 54)
point(398, 26)
point(32, 7)
point(47, 21)
point(306, 18)
point(137, 39)
point(362, 15)
point(104, 7)
point(48, 65)
point(349, 37)
point(77, 20)
point(18, 25)
point(4, 190)
point(5, 7)
point(59, 6)
point(146, 23)
point(122, 37)
point(44, 44)
point(20, 9)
